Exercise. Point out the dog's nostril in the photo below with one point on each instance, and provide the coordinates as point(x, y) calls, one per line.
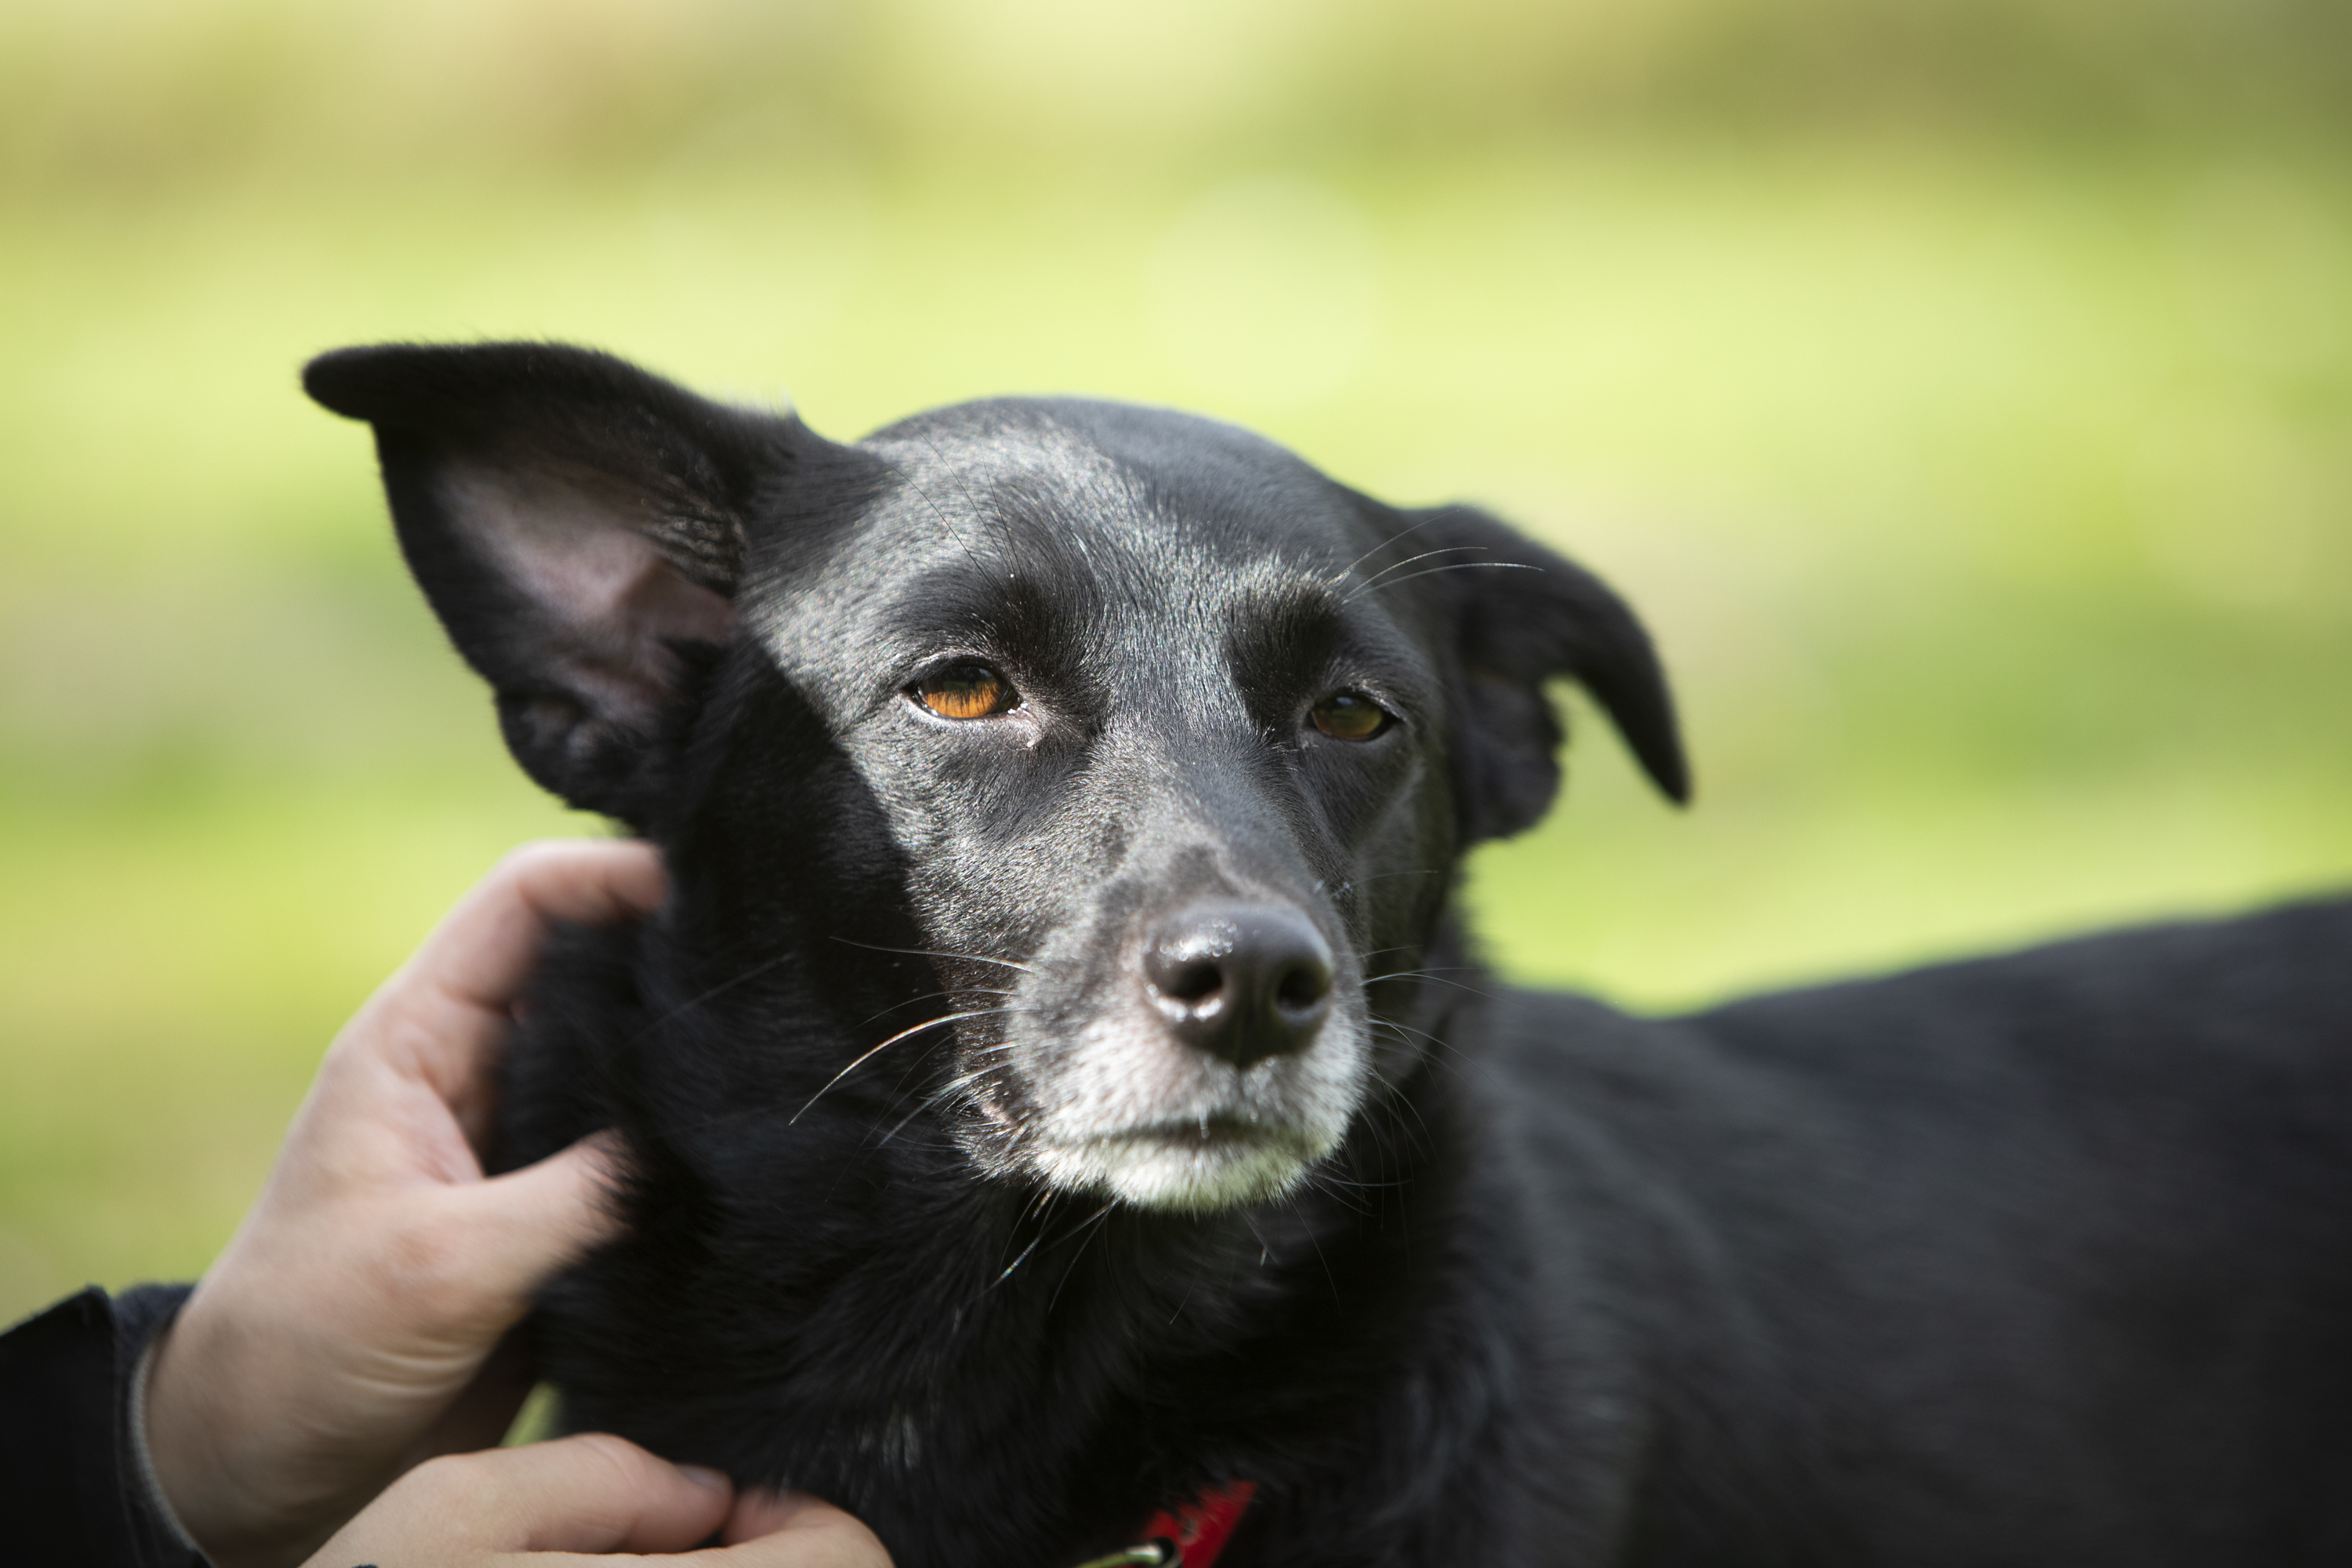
point(1193, 983)
point(1243, 982)
point(1303, 985)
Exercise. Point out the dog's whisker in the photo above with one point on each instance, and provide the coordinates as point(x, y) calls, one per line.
point(1425, 555)
point(1017, 1262)
point(1442, 514)
point(935, 995)
point(900, 1125)
point(1429, 974)
point(1323, 1188)
point(959, 1084)
point(1397, 1101)
point(1315, 1242)
point(868, 1056)
point(928, 952)
point(1265, 1247)
point(924, 495)
point(683, 1008)
point(1442, 1044)
point(1085, 1233)
point(1456, 566)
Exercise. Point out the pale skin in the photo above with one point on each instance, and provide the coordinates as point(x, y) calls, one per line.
point(351, 1331)
point(588, 1500)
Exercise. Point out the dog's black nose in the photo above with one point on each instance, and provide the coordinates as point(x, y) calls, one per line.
point(1243, 982)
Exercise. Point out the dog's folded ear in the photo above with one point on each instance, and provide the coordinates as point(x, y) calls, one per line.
point(578, 525)
point(1522, 615)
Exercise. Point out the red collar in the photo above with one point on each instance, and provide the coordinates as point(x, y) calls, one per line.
point(1199, 1528)
point(1188, 1535)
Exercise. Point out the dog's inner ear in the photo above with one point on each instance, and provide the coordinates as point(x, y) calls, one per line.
point(601, 609)
point(578, 526)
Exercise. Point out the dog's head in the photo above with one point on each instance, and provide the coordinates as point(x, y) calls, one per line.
point(1167, 745)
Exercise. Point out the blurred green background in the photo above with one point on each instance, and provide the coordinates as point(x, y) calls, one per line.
point(1962, 388)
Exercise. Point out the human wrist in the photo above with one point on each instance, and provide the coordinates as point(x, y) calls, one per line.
point(151, 1497)
point(201, 1459)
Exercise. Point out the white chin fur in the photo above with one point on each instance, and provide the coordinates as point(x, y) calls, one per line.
point(1167, 1172)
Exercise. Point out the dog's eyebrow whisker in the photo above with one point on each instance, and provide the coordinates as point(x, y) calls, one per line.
point(929, 953)
point(1425, 555)
point(986, 514)
point(1456, 566)
point(925, 496)
point(1440, 515)
point(1374, 581)
point(868, 1056)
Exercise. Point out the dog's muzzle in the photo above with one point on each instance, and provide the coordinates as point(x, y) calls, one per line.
point(1207, 1060)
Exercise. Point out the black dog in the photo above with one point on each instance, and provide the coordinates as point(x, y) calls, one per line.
point(1060, 1097)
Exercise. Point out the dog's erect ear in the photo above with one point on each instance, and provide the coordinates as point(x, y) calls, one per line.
point(578, 526)
point(1522, 615)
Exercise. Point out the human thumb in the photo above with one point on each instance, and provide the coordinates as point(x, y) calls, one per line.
point(524, 1226)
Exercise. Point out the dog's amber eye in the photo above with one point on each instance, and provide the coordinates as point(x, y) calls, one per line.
point(965, 691)
point(1349, 716)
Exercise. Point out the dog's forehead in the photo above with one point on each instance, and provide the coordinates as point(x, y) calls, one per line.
point(1100, 475)
point(1066, 510)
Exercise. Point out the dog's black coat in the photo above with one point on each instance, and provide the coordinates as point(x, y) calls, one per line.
point(2038, 1260)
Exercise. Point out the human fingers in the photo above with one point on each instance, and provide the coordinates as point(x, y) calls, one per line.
point(795, 1531)
point(762, 1512)
point(442, 1016)
point(518, 1229)
point(486, 946)
point(592, 1494)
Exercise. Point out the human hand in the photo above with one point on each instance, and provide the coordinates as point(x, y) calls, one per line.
point(535, 1507)
point(346, 1334)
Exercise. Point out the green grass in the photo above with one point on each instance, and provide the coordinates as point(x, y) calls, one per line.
point(1993, 510)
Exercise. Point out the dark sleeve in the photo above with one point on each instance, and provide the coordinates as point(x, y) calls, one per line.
point(72, 1490)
